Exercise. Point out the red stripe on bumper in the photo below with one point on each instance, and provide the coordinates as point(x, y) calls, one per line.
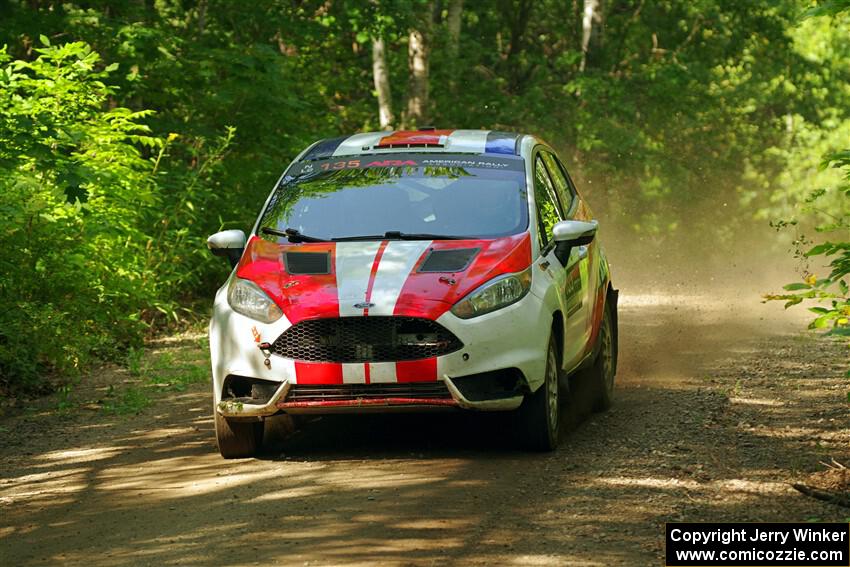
point(318, 372)
point(416, 370)
point(370, 402)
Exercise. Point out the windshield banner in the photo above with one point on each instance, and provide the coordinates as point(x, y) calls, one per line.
point(502, 163)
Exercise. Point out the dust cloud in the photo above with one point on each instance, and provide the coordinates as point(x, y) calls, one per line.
point(695, 295)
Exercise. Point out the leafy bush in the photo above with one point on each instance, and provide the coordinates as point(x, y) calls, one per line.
point(72, 180)
point(88, 258)
point(831, 289)
point(73, 188)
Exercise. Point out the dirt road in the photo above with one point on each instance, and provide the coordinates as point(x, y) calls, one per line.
point(718, 408)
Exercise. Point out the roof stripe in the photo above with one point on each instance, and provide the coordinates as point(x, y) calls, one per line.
point(467, 141)
point(415, 138)
point(501, 143)
point(358, 143)
point(459, 141)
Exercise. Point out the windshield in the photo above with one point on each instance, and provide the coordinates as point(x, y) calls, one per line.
point(433, 194)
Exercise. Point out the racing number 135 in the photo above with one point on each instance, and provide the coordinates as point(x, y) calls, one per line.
point(341, 164)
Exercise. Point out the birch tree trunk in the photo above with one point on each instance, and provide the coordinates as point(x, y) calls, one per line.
point(590, 22)
point(418, 62)
point(381, 75)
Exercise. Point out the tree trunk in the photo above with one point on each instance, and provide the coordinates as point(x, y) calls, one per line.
point(453, 23)
point(418, 62)
point(577, 24)
point(381, 75)
point(590, 29)
point(520, 14)
point(202, 16)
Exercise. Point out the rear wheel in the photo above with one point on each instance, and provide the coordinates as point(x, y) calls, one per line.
point(605, 366)
point(237, 439)
point(539, 414)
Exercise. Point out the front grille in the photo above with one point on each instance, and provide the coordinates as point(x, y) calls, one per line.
point(365, 339)
point(350, 392)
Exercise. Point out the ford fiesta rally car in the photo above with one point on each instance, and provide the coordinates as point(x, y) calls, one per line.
point(408, 271)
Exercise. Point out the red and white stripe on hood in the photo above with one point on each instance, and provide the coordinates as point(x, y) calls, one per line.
point(383, 274)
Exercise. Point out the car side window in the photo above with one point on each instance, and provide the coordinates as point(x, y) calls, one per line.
point(548, 207)
point(559, 178)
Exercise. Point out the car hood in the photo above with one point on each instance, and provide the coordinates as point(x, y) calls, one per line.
point(378, 278)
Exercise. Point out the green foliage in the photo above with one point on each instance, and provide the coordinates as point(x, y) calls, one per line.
point(89, 259)
point(127, 401)
point(72, 184)
point(828, 8)
point(833, 289)
point(176, 371)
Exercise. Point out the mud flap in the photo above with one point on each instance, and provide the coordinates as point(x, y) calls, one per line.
point(614, 297)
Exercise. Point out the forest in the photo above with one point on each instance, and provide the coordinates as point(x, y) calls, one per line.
point(131, 130)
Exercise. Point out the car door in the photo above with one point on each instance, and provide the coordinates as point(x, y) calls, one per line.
point(552, 262)
point(578, 271)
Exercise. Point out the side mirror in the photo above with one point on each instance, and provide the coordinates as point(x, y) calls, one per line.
point(574, 233)
point(227, 243)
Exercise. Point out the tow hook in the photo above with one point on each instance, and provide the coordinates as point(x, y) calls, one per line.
point(266, 349)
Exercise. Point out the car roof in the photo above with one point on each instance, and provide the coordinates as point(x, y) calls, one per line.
point(421, 140)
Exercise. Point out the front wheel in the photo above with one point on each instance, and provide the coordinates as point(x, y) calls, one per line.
point(539, 414)
point(237, 439)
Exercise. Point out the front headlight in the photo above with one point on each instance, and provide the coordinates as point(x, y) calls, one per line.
point(495, 294)
point(246, 298)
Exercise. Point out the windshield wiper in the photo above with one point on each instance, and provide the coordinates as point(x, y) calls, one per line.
point(292, 234)
point(397, 235)
point(393, 234)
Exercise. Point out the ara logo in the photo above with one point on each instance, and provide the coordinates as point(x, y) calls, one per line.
point(363, 305)
point(392, 163)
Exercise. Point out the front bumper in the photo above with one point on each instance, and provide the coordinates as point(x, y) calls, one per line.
point(511, 339)
point(286, 400)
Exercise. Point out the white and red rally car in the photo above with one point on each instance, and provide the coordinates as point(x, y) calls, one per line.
point(415, 270)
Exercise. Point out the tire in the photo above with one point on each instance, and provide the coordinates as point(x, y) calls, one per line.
point(539, 415)
point(237, 439)
point(604, 367)
point(277, 430)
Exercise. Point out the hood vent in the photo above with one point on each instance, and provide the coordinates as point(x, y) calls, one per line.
point(307, 263)
point(456, 260)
